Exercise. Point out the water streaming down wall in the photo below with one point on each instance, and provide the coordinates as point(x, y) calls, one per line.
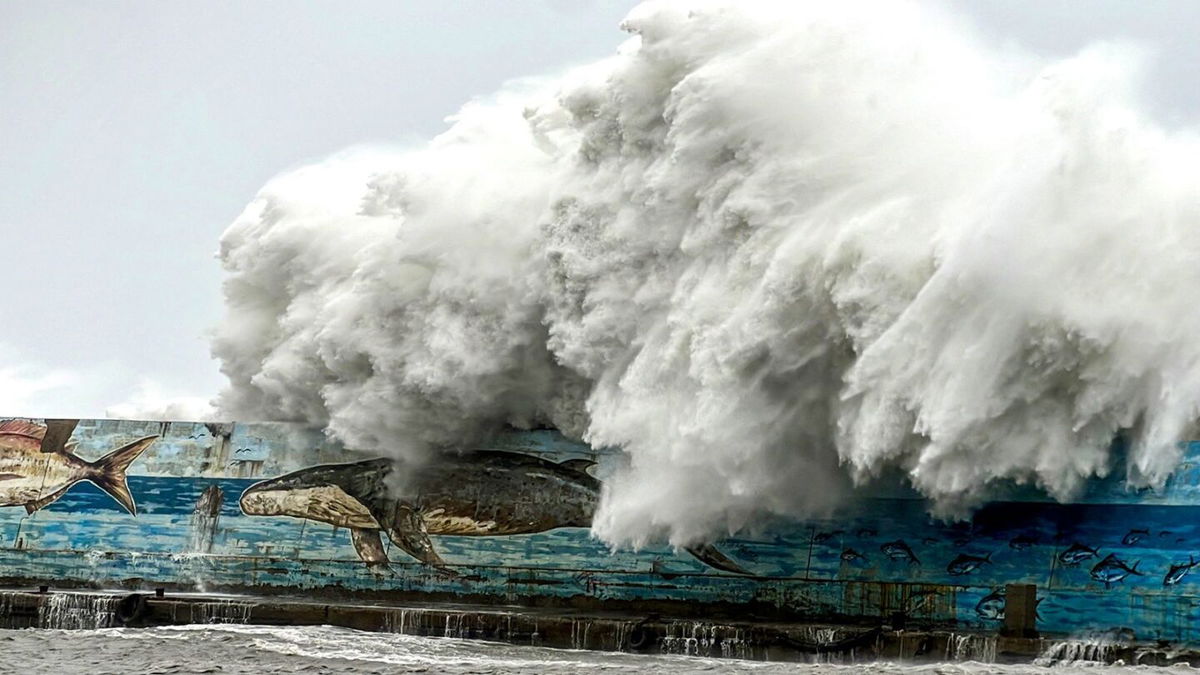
point(812, 644)
point(457, 626)
point(694, 638)
point(1087, 648)
point(579, 633)
point(219, 611)
point(85, 610)
point(506, 626)
point(970, 647)
point(687, 638)
point(397, 621)
point(621, 635)
point(1069, 652)
point(697, 638)
point(79, 611)
point(206, 518)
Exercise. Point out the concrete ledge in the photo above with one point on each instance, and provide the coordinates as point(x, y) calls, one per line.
point(561, 628)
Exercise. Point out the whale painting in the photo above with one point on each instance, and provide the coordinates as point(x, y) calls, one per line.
point(233, 506)
point(483, 493)
point(38, 465)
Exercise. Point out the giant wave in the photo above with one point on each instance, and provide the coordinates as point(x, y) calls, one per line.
point(770, 251)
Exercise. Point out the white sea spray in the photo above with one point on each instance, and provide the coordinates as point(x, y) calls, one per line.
point(769, 250)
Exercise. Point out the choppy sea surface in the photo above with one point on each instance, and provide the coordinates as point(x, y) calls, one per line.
point(323, 649)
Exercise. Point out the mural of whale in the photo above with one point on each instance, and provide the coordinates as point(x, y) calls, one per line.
point(482, 493)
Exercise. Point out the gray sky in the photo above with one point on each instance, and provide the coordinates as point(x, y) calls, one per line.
point(132, 133)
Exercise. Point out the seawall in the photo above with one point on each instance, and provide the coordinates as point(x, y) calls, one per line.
point(1115, 562)
point(574, 629)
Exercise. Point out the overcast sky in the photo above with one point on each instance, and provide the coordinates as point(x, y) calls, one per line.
point(132, 133)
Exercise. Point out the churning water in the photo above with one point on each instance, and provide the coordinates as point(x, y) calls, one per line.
point(323, 649)
point(768, 250)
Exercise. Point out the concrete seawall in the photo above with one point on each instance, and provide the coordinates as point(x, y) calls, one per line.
point(274, 511)
point(567, 629)
point(558, 628)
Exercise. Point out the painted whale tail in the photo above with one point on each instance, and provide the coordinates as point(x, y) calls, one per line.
point(709, 555)
point(108, 472)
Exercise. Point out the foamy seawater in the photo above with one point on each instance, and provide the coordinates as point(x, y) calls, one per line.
point(323, 649)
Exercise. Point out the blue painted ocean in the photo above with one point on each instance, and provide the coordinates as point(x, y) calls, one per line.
point(85, 537)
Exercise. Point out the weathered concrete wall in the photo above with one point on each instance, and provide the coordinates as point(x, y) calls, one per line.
point(882, 559)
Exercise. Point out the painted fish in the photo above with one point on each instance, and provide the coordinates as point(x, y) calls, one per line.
point(1178, 571)
point(991, 607)
point(965, 564)
point(474, 494)
point(868, 532)
point(898, 550)
point(1112, 569)
point(850, 555)
point(1076, 554)
point(1022, 542)
point(1134, 536)
point(994, 604)
point(38, 465)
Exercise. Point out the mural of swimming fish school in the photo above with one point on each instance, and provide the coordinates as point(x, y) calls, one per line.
point(267, 508)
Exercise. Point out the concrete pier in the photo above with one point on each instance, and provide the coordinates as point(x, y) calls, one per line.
point(561, 628)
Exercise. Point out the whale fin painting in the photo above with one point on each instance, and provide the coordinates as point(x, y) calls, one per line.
point(38, 465)
point(481, 493)
point(369, 547)
point(407, 530)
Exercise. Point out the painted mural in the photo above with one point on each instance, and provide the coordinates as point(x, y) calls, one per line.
point(38, 465)
point(273, 508)
point(475, 494)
